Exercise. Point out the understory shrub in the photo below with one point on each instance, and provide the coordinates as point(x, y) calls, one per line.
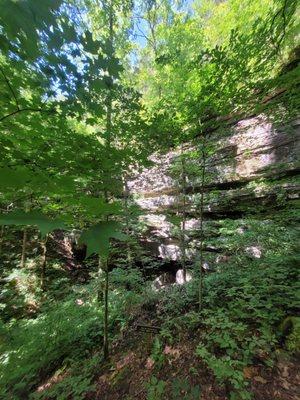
point(62, 333)
point(34, 348)
point(239, 325)
point(244, 310)
point(73, 383)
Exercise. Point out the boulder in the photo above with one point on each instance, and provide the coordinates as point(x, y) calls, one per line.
point(254, 252)
point(180, 277)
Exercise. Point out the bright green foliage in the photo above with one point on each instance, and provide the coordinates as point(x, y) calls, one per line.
point(246, 300)
point(35, 218)
point(290, 328)
point(83, 104)
point(157, 354)
point(33, 347)
point(156, 389)
point(76, 384)
point(19, 293)
point(182, 389)
point(13, 178)
point(195, 75)
point(97, 238)
point(127, 278)
point(61, 338)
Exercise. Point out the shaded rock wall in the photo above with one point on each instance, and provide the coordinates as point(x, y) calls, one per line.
point(254, 171)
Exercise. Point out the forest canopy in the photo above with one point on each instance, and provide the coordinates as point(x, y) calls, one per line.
point(92, 94)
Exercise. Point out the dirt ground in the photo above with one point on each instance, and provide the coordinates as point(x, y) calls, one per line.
point(127, 375)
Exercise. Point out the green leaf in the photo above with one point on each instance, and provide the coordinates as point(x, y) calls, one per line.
point(97, 238)
point(13, 178)
point(90, 45)
point(98, 85)
point(174, 219)
point(95, 206)
point(44, 224)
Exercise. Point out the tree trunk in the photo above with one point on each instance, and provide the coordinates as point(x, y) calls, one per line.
point(183, 188)
point(109, 95)
point(1, 238)
point(44, 262)
point(99, 286)
point(127, 220)
point(105, 328)
point(24, 243)
point(109, 111)
point(203, 162)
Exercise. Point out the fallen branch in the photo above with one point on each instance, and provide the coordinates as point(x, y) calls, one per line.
point(149, 328)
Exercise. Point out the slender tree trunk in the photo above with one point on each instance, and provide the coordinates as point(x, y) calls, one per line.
point(109, 111)
point(24, 243)
point(1, 238)
point(152, 22)
point(183, 188)
point(203, 166)
point(103, 292)
point(105, 333)
point(127, 219)
point(105, 299)
point(109, 96)
point(99, 286)
point(44, 262)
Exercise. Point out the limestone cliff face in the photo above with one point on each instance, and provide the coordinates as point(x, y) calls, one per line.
point(253, 172)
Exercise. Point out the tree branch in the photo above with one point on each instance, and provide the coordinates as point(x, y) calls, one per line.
point(282, 11)
point(10, 88)
point(19, 110)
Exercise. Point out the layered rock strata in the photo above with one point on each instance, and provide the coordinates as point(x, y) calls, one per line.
point(253, 171)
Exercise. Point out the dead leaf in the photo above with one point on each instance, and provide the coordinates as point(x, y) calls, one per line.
point(260, 379)
point(168, 350)
point(284, 369)
point(149, 363)
point(249, 372)
point(285, 384)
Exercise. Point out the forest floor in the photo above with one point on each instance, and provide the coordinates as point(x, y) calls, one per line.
point(126, 375)
point(131, 367)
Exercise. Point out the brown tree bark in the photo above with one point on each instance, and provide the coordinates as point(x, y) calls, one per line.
point(203, 170)
point(1, 238)
point(127, 219)
point(24, 244)
point(109, 111)
point(43, 262)
point(105, 327)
